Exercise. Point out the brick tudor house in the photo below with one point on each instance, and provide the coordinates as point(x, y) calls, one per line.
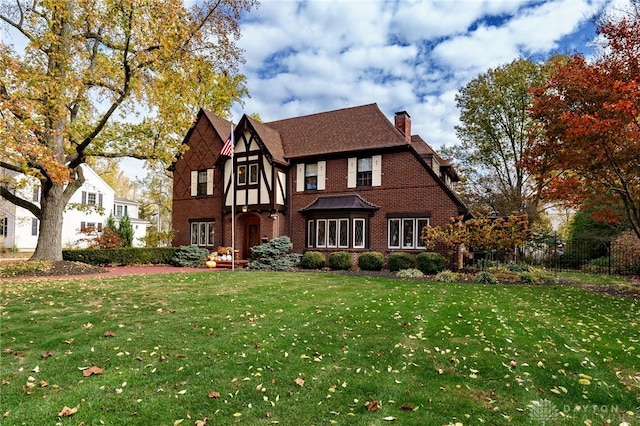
point(344, 180)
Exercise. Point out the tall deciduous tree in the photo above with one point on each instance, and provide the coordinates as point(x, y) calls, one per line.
point(588, 149)
point(494, 133)
point(107, 78)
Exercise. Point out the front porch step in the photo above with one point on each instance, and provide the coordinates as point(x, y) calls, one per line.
point(239, 264)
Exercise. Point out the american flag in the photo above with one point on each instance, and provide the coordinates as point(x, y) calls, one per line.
point(227, 148)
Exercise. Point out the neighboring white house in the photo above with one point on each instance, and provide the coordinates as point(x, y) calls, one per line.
point(84, 217)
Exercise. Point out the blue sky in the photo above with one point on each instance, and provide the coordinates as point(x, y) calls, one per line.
point(304, 57)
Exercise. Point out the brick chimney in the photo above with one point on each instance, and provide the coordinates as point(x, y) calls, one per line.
point(403, 123)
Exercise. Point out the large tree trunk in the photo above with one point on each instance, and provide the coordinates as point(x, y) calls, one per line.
point(50, 233)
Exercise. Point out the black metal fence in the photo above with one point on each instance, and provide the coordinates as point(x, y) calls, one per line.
point(600, 257)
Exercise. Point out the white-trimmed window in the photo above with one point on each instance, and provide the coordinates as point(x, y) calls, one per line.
point(311, 224)
point(405, 232)
point(343, 233)
point(203, 233)
point(35, 224)
point(358, 233)
point(321, 233)
point(334, 233)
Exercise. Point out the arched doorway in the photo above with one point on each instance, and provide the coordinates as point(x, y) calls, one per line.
point(251, 223)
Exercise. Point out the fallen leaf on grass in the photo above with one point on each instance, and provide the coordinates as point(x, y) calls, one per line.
point(299, 381)
point(407, 407)
point(46, 354)
point(202, 422)
point(70, 341)
point(68, 412)
point(214, 394)
point(389, 419)
point(109, 334)
point(92, 370)
point(372, 405)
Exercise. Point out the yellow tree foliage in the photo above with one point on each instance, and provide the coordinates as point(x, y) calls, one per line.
point(109, 79)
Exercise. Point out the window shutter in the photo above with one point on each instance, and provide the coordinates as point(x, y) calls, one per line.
point(322, 173)
point(300, 177)
point(83, 226)
point(376, 179)
point(194, 183)
point(84, 197)
point(209, 181)
point(352, 173)
point(99, 200)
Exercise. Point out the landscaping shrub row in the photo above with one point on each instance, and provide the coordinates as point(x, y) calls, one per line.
point(427, 263)
point(122, 256)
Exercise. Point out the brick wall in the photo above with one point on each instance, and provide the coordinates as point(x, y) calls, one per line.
point(204, 149)
point(406, 187)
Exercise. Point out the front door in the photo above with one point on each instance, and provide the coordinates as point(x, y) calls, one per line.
point(252, 235)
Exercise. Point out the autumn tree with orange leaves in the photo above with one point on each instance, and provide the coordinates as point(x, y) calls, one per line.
point(587, 149)
point(107, 79)
point(481, 233)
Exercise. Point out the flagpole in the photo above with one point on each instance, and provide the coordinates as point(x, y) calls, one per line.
point(233, 206)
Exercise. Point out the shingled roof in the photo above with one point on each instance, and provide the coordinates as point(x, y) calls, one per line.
point(344, 130)
point(222, 126)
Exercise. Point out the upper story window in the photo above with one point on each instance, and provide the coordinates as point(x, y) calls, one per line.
point(242, 175)
point(311, 176)
point(92, 198)
point(201, 182)
point(253, 174)
point(364, 172)
point(36, 194)
point(120, 210)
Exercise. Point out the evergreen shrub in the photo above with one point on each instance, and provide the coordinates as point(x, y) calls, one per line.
point(274, 255)
point(371, 261)
point(430, 263)
point(340, 261)
point(401, 260)
point(312, 260)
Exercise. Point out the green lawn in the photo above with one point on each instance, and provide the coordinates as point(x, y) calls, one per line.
point(254, 348)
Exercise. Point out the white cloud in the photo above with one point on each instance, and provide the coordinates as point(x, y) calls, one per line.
point(314, 56)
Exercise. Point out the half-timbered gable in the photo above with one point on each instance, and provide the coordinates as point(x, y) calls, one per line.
point(348, 179)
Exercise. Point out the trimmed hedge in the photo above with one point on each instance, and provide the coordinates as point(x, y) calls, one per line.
point(122, 256)
point(312, 260)
point(371, 261)
point(430, 263)
point(401, 260)
point(340, 261)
